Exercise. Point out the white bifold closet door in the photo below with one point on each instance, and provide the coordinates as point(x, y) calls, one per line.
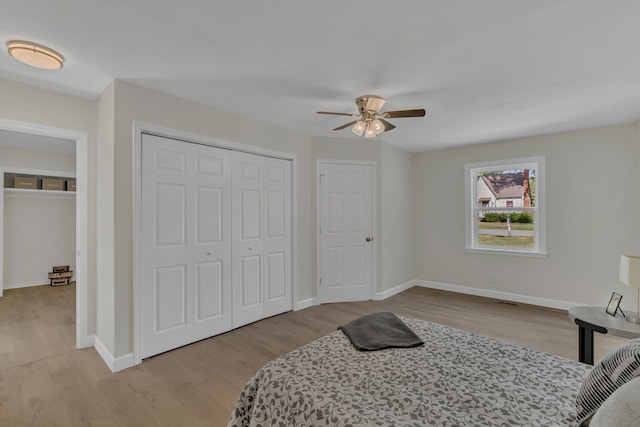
point(185, 275)
point(215, 249)
point(261, 237)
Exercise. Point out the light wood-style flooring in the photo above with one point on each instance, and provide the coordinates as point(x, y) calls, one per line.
point(35, 323)
point(44, 381)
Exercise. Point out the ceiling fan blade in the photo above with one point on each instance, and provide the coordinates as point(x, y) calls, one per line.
point(405, 113)
point(345, 125)
point(387, 126)
point(338, 114)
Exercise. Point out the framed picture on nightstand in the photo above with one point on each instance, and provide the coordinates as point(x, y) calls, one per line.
point(614, 303)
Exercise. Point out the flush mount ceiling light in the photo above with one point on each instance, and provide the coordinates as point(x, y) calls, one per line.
point(35, 55)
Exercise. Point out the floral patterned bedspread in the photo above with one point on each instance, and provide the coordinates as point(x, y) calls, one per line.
point(455, 379)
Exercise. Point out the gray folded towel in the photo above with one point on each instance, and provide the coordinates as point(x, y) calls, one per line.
point(379, 331)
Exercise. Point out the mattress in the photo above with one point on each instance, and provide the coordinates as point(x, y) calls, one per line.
point(455, 379)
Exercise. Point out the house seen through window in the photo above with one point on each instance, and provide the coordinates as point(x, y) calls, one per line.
point(505, 206)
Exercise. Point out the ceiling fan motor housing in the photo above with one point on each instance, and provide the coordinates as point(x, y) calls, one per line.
point(369, 104)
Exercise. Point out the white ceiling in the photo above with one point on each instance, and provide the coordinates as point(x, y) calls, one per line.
point(484, 70)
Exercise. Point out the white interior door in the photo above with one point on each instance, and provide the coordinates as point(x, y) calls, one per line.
point(185, 257)
point(346, 239)
point(261, 237)
point(276, 187)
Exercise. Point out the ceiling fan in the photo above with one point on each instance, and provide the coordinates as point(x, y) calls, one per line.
point(371, 121)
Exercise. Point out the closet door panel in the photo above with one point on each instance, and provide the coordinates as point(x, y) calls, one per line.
point(211, 249)
point(216, 241)
point(210, 288)
point(249, 215)
point(276, 275)
point(250, 282)
point(262, 209)
point(208, 215)
point(170, 297)
point(170, 213)
point(277, 239)
point(185, 257)
point(247, 241)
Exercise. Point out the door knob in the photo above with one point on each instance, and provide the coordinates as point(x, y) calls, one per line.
point(368, 239)
point(209, 253)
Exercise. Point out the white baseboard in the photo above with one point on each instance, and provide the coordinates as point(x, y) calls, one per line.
point(301, 305)
point(26, 284)
point(506, 296)
point(86, 342)
point(393, 291)
point(115, 364)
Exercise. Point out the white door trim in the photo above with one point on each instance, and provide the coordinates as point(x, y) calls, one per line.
point(138, 129)
point(83, 339)
point(374, 220)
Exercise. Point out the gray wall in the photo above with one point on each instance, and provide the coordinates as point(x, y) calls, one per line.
point(397, 217)
point(592, 217)
point(28, 104)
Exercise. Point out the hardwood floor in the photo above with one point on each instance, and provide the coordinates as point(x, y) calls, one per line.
point(35, 323)
point(196, 385)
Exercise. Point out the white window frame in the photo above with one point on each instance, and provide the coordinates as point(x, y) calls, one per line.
point(539, 210)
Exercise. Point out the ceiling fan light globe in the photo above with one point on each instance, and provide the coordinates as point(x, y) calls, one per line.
point(358, 128)
point(369, 132)
point(378, 126)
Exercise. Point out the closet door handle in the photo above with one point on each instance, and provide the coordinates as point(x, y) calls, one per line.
point(368, 239)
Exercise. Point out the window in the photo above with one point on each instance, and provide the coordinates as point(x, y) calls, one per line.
point(505, 207)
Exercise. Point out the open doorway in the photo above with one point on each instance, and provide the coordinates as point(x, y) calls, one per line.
point(39, 136)
point(39, 224)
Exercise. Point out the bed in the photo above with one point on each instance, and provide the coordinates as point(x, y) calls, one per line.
point(455, 379)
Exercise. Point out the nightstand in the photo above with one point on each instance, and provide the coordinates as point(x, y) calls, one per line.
point(590, 319)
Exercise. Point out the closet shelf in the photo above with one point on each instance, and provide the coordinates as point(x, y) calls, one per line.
point(37, 193)
point(44, 182)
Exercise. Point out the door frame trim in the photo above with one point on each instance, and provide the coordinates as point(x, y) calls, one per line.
point(83, 339)
point(139, 128)
point(374, 221)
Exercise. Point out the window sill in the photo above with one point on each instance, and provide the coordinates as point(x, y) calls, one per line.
point(506, 252)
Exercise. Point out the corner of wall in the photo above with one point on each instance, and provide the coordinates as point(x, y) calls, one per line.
point(395, 223)
point(115, 364)
point(104, 221)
